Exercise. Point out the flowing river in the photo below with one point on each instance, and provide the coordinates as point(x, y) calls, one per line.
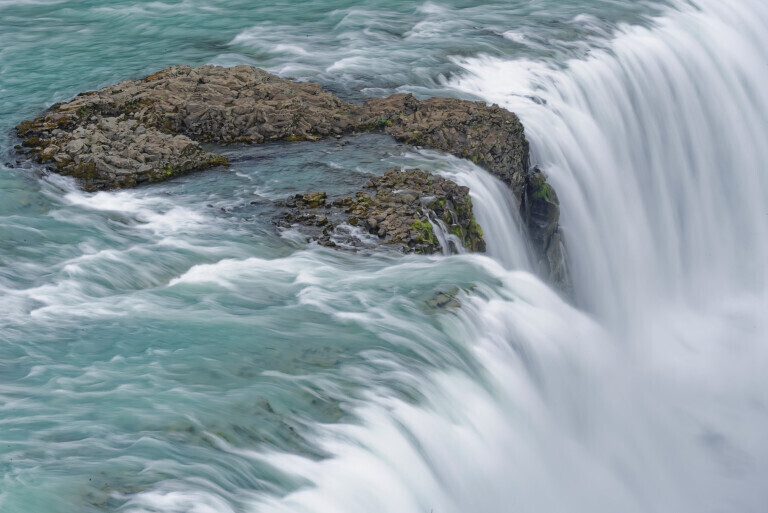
point(165, 350)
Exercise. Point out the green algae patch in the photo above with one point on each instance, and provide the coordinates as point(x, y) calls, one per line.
point(425, 232)
point(543, 192)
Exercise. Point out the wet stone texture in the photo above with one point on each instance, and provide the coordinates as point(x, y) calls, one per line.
point(150, 130)
point(398, 209)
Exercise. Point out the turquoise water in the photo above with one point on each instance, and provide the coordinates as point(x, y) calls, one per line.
point(166, 350)
point(51, 50)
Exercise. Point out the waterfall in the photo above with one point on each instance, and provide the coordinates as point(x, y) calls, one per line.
point(449, 243)
point(164, 350)
point(494, 208)
point(496, 211)
point(653, 395)
point(656, 148)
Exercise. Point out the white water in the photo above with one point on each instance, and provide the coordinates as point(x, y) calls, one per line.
point(657, 152)
point(496, 211)
point(656, 400)
point(449, 243)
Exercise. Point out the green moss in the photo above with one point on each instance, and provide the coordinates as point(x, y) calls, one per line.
point(543, 192)
point(314, 199)
point(218, 160)
point(32, 142)
point(474, 228)
point(155, 76)
point(83, 112)
point(84, 170)
point(463, 209)
point(378, 124)
point(415, 137)
point(425, 231)
point(134, 105)
point(61, 164)
point(166, 125)
point(295, 138)
point(363, 199)
point(476, 158)
point(24, 127)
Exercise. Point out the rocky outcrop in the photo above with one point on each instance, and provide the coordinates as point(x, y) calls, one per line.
point(150, 130)
point(399, 209)
point(146, 127)
point(489, 136)
point(112, 152)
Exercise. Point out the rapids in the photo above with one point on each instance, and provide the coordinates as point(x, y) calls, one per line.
point(163, 350)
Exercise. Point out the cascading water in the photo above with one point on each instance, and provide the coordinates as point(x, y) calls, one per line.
point(496, 211)
point(449, 242)
point(165, 352)
point(656, 149)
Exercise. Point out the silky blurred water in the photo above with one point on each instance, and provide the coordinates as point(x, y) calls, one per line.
point(164, 349)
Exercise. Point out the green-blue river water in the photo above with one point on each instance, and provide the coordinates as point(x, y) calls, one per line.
point(166, 350)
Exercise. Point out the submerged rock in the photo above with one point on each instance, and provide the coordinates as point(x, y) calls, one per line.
point(444, 300)
point(150, 130)
point(398, 209)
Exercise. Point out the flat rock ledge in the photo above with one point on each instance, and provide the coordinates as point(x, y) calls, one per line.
point(399, 209)
point(150, 130)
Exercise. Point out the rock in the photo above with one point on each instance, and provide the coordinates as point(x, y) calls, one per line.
point(401, 220)
point(444, 300)
point(248, 105)
point(149, 130)
point(75, 146)
point(61, 159)
point(541, 213)
point(49, 152)
point(489, 136)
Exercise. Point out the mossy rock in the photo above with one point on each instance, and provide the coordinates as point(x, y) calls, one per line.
point(398, 210)
point(544, 192)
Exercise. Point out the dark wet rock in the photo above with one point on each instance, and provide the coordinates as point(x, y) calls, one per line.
point(150, 130)
point(398, 209)
point(444, 300)
point(541, 212)
point(492, 138)
point(489, 136)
